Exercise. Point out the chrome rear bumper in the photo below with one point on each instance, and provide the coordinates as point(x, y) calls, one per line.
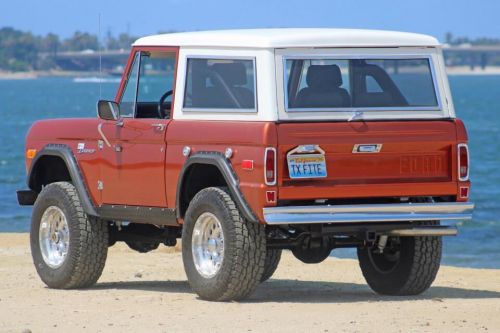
point(368, 213)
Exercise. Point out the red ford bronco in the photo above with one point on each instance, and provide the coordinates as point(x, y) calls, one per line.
point(246, 142)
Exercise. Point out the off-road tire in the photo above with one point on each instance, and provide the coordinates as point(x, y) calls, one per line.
point(88, 240)
point(244, 249)
point(416, 269)
point(273, 257)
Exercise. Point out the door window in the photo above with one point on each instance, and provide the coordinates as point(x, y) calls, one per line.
point(149, 88)
point(127, 104)
point(156, 81)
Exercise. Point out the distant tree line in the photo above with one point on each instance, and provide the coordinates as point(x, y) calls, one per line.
point(452, 40)
point(24, 51)
point(20, 50)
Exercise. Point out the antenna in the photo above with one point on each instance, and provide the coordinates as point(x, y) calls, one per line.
point(100, 58)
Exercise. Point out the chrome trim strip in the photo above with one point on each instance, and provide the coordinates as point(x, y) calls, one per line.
point(368, 213)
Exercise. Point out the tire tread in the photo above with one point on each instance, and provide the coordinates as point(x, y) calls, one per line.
point(273, 257)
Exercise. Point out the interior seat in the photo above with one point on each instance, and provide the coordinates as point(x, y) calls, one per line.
point(323, 88)
point(229, 81)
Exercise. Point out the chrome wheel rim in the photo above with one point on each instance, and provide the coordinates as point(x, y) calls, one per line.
point(54, 237)
point(207, 245)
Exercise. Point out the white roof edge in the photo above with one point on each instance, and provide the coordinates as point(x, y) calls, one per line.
point(289, 38)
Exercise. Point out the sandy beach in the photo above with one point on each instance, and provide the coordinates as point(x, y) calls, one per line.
point(149, 293)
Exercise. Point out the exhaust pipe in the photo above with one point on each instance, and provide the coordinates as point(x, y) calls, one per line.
point(423, 231)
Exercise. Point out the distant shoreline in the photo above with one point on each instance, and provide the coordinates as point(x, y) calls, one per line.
point(30, 75)
point(466, 70)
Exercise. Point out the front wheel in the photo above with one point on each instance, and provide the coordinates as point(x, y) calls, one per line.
point(407, 265)
point(68, 247)
point(223, 254)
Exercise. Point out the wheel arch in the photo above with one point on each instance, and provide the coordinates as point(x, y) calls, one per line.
point(63, 167)
point(217, 171)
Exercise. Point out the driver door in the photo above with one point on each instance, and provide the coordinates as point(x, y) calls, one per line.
point(133, 172)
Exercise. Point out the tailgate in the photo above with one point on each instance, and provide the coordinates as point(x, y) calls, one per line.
point(367, 155)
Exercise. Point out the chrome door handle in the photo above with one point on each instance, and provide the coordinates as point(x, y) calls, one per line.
point(160, 127)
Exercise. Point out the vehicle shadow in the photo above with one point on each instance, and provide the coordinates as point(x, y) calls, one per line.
point(341, 292)
point(158, 286)
point(295, 291)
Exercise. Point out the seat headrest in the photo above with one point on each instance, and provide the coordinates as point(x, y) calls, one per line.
point(232, 73)
point(324, 76)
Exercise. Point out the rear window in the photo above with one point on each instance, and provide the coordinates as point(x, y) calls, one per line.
point(325, 84)
point(223, 84)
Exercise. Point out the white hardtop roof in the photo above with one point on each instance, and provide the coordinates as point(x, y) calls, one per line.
point(289, 38)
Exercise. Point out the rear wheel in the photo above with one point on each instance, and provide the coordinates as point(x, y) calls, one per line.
point(68, 247)
point(407, 265)
point(223, 254)
point(273, 257)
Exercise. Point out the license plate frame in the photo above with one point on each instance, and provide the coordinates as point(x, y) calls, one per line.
point(306, 166)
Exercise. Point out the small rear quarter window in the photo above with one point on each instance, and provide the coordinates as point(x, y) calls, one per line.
point(220, 84)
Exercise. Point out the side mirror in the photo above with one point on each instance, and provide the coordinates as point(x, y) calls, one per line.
point(108, 110)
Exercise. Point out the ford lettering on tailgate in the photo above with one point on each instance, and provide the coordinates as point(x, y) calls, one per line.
point(423, 165)
point(307, 166)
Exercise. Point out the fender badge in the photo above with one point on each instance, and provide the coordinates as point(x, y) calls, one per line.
point(80, 148)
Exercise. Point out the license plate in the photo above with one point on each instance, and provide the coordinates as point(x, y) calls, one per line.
point(307, 166)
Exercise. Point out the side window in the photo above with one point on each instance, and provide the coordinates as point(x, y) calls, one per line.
point(127, 103)
point(156, 80)
point(224, 84)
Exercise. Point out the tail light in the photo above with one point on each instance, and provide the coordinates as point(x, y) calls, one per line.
point(270, 166)
point(463, 162)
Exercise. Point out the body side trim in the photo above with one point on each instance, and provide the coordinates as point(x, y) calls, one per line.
point(138, 214)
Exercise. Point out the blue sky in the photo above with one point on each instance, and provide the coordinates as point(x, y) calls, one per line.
point(435, 17)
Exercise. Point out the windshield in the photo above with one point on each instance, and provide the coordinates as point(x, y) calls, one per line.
point(322, 84)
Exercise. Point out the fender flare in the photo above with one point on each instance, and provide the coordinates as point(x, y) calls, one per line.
point(66, 154)
point(224, 166)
